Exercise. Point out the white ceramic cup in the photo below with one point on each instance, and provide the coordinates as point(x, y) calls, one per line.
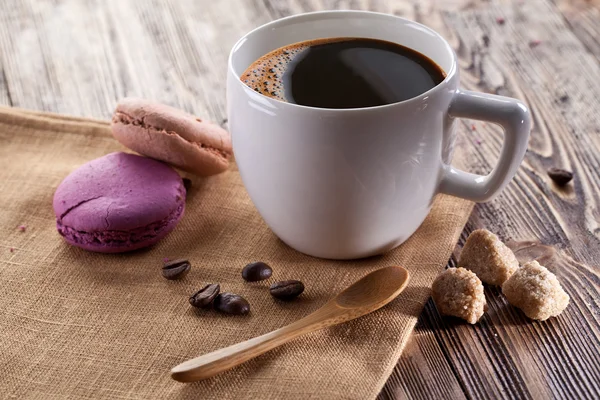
point(351, 183)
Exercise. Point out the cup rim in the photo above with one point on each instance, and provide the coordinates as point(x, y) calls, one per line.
point(449, 75)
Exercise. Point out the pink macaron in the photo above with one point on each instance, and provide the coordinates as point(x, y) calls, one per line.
point(172, 135)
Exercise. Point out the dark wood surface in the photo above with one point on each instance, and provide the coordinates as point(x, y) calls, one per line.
point(506, 355)
point(79, 57)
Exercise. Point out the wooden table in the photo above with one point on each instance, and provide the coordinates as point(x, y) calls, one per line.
point(79, 57)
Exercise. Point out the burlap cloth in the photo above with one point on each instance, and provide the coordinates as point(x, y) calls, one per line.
point(75, 324)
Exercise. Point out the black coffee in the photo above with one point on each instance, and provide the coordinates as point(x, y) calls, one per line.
point(343, 73)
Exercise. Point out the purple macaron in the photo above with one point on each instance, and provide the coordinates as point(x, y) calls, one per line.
point(119, 202)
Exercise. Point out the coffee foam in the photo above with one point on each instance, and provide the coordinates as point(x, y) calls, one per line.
point(265, 75)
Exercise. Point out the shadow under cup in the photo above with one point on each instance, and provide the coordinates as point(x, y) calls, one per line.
point(341, 183)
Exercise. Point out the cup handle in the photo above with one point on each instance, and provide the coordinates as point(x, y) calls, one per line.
point(514, 117)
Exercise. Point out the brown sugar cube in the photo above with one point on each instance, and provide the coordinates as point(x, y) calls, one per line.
point(536, 291)
point(459, 293)
point(490, 259)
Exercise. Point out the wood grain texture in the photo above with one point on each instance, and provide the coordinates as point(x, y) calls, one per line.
point(507, 356)
point(582, 17)
point(80, 57)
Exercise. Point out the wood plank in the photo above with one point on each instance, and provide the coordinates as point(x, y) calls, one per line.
point(583, 16)
point(81, 57)
point(557, 358)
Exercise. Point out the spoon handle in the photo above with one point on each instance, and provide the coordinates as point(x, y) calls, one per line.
point(221, 360)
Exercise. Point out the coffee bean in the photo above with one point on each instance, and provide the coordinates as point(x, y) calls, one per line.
point(204, 297)
point(286, 290)
point(176, 269)
point(257, 271)
point(230, 303)
point(187, 184)
point(560, 176)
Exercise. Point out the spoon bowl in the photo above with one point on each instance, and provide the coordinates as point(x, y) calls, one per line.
point(368, 294)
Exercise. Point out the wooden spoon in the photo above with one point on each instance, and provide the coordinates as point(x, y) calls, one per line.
point(370, 293)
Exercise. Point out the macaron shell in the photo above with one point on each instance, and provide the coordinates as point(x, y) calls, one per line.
point(110, 212)
point(173, 136)
point(119, 202)
point(121, 241)
point(170, 148)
